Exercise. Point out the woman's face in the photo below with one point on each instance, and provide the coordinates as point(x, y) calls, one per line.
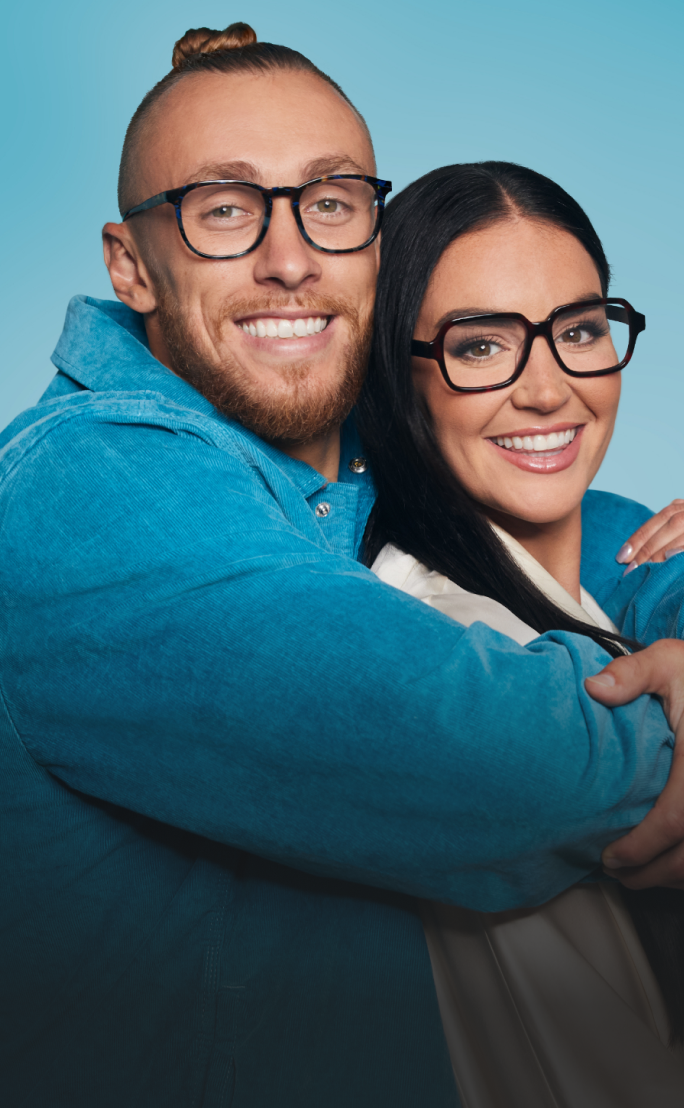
point(528, 267)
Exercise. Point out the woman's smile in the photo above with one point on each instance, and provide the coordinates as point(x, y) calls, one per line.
point(540, 451)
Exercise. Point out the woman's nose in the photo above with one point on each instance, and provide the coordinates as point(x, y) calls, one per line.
point(542, 384)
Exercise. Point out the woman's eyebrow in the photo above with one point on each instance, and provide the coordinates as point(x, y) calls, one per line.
point(459, 313)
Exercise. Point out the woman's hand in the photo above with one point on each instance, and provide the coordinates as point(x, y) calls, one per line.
point(656, 540)
point(653, 852)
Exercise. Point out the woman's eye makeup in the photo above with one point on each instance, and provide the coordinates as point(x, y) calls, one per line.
point(582, 332)
point(479, 349)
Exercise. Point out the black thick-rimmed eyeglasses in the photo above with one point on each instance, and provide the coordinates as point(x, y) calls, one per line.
point(338, 214)
point(479, 353)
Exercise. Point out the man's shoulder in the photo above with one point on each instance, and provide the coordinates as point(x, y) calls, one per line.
point(607, 522)
point(80, 416)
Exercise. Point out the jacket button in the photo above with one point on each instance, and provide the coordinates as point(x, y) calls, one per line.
point(358, 465)
point(323, 509)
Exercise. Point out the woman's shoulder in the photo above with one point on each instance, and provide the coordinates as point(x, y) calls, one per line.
point(607, 522)
point(613, 511)
point(405, 572)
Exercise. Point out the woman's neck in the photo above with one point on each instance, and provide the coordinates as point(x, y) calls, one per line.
point(557, 546)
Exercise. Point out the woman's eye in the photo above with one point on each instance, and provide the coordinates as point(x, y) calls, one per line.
point(483, 350)
point(478, 351)
point(575, 335)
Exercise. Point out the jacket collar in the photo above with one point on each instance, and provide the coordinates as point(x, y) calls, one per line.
point(104, 348)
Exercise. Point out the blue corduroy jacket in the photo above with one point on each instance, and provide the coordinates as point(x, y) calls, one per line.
point(232, 758)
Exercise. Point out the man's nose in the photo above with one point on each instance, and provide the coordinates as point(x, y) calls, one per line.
point(284, 259)
point(542, 384)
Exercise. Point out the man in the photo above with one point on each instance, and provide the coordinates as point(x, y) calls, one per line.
point(230, 758)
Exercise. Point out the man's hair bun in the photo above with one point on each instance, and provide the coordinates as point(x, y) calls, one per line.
point(204, 41)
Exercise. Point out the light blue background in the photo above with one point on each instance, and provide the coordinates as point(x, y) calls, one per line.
point(589, 93)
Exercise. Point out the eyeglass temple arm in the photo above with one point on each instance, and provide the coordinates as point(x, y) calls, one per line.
point(421, 349)
point(153, 202)
point(621, 315)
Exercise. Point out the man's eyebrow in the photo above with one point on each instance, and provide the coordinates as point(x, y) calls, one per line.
point(332, 163)
point(246, 171)
point(458, 313)
point(226, 171)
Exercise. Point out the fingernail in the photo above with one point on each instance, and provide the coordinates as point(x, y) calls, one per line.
point(610, 861)
point(624, 553)
point(630, 567)
point(675, 550)
point(603, 679)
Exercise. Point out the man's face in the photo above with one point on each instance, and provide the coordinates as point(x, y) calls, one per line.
point(282, 128)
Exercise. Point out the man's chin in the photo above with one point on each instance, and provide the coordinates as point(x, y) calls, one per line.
point(293, 402)
point(293, 412)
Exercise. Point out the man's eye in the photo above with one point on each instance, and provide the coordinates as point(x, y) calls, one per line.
point(327, 206)
point(226, 211)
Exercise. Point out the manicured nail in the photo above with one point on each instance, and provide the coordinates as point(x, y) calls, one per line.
point(630, 567)
point(603, 679)
point(675, 550)
point(624, 553)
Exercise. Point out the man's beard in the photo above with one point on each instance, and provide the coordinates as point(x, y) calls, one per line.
point(301, 407)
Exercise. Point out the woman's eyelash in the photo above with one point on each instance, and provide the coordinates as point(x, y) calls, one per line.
point(467, 344)
point(597, 330)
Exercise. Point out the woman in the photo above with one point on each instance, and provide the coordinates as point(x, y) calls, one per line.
point(498, 426)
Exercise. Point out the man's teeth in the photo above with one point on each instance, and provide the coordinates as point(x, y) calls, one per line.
point(537, 443)
point(285, 328)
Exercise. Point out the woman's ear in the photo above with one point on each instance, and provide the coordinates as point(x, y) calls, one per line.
point(129, 275)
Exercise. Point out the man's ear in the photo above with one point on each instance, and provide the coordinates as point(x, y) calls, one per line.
point(129, 275)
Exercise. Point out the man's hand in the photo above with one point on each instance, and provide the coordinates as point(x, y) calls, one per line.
point(657, 539)
point(653, 852)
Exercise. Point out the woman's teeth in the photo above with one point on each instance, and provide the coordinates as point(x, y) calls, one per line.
point(285, 328)
point(535, 444)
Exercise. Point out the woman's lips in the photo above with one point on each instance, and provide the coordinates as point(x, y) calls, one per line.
point(552, 461)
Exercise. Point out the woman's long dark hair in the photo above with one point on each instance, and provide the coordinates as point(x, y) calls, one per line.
point(421, 507)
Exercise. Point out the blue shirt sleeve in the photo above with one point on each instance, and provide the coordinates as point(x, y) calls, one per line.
point(175, 643)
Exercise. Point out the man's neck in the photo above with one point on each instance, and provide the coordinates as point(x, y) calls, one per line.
point(556, 546)
point(322, 454)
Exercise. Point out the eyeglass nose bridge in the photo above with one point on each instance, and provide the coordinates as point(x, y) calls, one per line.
point(293, 193)
point(533, 331)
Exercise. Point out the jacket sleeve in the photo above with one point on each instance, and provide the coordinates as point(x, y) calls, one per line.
point(173, 644)
point(648, 603)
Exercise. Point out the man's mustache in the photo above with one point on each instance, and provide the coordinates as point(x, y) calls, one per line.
point(314, 305)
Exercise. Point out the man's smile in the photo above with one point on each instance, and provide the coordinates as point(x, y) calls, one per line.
point(280, 327)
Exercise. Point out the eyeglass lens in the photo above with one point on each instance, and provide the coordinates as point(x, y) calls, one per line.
point(222, 220)
point(488, 352)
